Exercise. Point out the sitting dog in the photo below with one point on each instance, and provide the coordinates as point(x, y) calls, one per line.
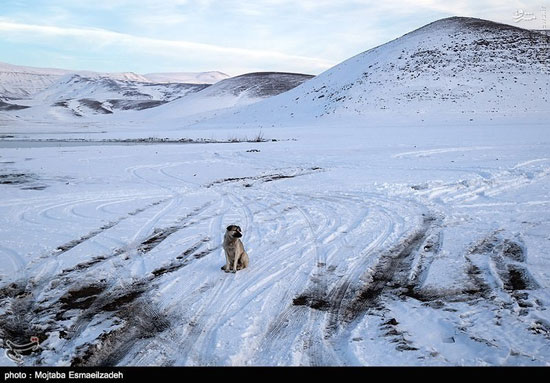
point(235, 256)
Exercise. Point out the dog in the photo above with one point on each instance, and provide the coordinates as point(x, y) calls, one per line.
point(235, 256)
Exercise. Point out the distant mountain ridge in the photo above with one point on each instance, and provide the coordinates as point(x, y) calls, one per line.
point(187, 77)
point(23, 81)
point(38, 94)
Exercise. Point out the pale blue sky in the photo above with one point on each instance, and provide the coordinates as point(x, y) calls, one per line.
point(232, 36)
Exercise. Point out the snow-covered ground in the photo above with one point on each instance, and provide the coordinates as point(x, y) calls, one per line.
point(368, 245)
point(411, 235)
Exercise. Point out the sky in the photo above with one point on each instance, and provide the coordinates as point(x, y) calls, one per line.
point(231, 36)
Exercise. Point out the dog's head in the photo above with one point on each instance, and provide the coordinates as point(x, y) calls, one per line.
point(234, 231)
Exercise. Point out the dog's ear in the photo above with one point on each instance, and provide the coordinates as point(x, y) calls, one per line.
point(230, 227)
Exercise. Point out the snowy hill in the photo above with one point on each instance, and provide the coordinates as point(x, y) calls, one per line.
point(79, 95)
point(21, 82)
point(24, 82)
point(452, 67)
point(232, 92)
point(104, 94)
point(75, 95)
point(187, 77)
point(76, 86)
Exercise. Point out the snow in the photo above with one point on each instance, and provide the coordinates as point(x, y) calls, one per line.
point(454, 69)
point(187, 77)
point(323, 231)
point(374, 239)
point(26, 82)
point(90, 96)
point(225, 95)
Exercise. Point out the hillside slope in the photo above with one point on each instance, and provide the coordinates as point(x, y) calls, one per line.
point(232, 92)
point(453, 67)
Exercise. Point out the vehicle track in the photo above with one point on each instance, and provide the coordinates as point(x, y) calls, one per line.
point(257, 283)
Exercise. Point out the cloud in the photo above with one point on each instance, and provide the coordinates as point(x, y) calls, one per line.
point(103, 39)
point(234, 35)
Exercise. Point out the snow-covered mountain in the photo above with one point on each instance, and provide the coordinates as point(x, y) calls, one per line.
point(59, 93)
point(24, 82)
point(75, 95)
point(85, 95)
point(187, 77)
point(452, 67)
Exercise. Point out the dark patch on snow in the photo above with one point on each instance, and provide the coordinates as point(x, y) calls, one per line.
point(26, 181)
point(84, 265)
point(264, 178)
point(156, 238)
point(12, 290)
point(38, 187)
point(541, 327)
point(16, 324)
point(513, 250)
point(140, 320)
point(389, 273)
point(80, 298)
point(135, 104)
point(95, 105)
point(508, 257)
point(519, 279)
point(184, 259)
point(119, 300)
point(16, 178)
point(6, 107)
point(260, 84)
point(391, 330)
point(317, 303)
point(350, 299)
point(160, 234)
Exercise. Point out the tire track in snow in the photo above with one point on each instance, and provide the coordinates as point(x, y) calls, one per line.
point(67, 284)
point(198, 338)
point(289, 325)
point(207, 323)
point(257, 283)
point(318, 349)
point(488, 184)
point(295, 263)
point(198, 323)
point(334, 307)
point(17, 261)
point(337, 295)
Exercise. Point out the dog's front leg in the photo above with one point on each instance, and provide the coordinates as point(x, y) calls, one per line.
point(227, 266)
point(236, 262)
